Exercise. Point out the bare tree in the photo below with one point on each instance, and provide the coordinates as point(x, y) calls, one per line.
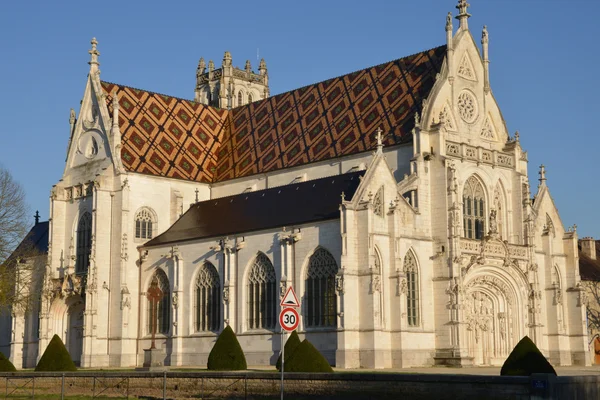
point(18, 265)
point(13, 213)
point(592, 289)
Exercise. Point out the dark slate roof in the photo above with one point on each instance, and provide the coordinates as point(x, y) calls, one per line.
point(589, 269)
point(34, 243)
point(289, 205)
point(172, 137)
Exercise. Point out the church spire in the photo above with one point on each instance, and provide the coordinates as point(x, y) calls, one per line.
point(94, 53)
point(463, 15)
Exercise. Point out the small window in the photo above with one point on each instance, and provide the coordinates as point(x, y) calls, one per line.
point(473, 209)
point(249, 98)
point(240, 98)
point(145, 224)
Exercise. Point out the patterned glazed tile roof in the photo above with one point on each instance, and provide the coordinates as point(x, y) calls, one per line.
point(167, 136)
point(179, 138)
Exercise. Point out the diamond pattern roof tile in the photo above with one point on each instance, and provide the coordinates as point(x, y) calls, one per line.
point(172, 137)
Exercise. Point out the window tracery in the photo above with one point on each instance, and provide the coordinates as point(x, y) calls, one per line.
point(473, 209)
point(321, 302)
point(84, 243)
point(145, 224)
point(240, 98)
point(412, 291)
point(262, 294)
point(207, 299)
point(467, 106)
point(163, 311)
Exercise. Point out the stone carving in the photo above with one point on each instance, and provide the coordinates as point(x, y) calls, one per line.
point(376, 284)
point(226, 295)
point(465, 69)
point(446, 118)
point(505, 160)
point(378, 203)
point(339, 283)
point(467, 106)
point(487, 131)
point(175, 300)
point(453, 149)
point(125, 298)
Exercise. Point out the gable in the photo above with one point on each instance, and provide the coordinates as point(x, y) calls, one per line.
point(176, 138)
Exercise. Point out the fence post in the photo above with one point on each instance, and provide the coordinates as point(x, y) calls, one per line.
point(165, 385)
point(62, 388)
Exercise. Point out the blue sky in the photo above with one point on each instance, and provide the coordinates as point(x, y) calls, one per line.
point(544, 61)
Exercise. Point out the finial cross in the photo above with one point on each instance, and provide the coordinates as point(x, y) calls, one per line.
point(37, 217)
point(196, 194)
point(542, 172)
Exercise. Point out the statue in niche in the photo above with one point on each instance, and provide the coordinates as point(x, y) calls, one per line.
point(493, 223)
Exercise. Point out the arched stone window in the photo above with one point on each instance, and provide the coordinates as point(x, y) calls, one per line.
point(249, 98)
point(262, 294)
point(84, 243)
point(145, 223)
point(163, 311)
point(321, 304)
point(473, 209)
point(208, 299)
point(411, 270)
point(240, 99)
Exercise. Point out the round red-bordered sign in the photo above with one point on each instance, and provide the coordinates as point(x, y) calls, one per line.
point(289, 319)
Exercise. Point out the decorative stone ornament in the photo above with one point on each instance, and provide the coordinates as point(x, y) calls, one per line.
point(467, 106)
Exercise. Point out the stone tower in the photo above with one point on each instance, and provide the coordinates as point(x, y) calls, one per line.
point(228, 86)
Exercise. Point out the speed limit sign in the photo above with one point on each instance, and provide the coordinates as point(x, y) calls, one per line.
point(289, 319)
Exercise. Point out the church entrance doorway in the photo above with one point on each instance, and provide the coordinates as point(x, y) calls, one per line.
point(75, 331)
point(66, 320)
point(492, 317)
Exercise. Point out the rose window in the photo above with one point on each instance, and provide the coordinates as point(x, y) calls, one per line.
point(467, 107)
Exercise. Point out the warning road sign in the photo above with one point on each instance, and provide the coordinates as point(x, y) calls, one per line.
point(290, 299)
point(289, 319)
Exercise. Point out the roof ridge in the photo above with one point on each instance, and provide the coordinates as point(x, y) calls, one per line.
point(278, 94)
point(162, 94)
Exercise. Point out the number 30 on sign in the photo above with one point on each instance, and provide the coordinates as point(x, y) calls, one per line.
point(289, 319)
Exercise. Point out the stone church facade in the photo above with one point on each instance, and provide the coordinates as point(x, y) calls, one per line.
point(393, 199)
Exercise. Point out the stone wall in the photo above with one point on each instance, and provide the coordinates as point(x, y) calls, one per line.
point(266, 385)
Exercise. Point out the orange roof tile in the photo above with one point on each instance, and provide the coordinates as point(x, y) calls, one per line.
point(178, 138)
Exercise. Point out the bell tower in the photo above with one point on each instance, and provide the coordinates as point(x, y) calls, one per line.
point(229, 87)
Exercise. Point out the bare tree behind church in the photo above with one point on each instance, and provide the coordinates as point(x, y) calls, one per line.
point(13, 213)
point(13, 227)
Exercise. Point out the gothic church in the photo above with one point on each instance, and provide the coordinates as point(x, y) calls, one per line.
point(393, 199)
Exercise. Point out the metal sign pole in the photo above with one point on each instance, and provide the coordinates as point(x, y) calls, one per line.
point(282, 359)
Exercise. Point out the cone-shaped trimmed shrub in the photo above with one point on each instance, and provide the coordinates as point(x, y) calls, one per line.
point(526, 359)
point(306, 358)
point(227, 354)
point(56, 357)
point(290, 345)
point(6, 365)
